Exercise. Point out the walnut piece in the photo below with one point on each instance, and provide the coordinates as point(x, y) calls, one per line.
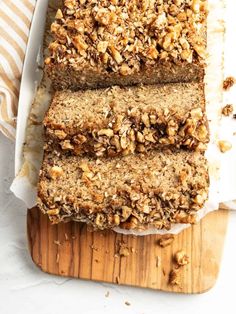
point(181, 258)
point(53, 212)
point(228, 83)
point(227, 110)
point(175, 277)
point(166, 240)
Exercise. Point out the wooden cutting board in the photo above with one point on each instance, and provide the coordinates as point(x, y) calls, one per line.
point(71, 250)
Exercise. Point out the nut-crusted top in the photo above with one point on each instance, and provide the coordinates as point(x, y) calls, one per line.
point(121, 35)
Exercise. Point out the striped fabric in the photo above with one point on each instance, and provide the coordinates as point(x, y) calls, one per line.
point(15, 20)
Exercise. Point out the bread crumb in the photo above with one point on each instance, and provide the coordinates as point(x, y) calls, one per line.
point(107, 294)
point(123, 250)
point(224, 146)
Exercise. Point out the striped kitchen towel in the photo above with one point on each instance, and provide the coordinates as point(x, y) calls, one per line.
point(15, 21)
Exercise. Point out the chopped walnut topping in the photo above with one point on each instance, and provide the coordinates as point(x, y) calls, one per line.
point(228, 83)
point(107, 132)
point(181, 258)
point(84, 166)
point(166, 240)
point(53, 212)
point(227, 110)
point(224, 146)
point(122, 36)
point(59, 14)
point(60, 134)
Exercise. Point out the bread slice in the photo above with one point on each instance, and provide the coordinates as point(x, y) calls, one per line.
point(105, 43)
point(120, 121)
point(134, 191)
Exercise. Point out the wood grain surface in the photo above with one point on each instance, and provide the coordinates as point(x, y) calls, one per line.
point(71, 250)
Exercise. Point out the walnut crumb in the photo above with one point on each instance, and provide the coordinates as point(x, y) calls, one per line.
point(181, 258)
point(228, 83)
point(175, 277)
point(127, 303)
point(107, 294)
point(227, 110)
point(166, 240)
point(57, 242)
point(224, 146)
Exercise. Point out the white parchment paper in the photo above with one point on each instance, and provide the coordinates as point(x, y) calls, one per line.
point(222, 187)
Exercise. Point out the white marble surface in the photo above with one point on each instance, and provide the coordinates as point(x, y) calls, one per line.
point(25, 289)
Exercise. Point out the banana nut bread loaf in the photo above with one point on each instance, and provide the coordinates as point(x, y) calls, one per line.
point(132, 191)
point(112, 121)
point(100, 43)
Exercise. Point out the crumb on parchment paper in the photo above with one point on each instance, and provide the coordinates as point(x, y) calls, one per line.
point(228, 83)
point(224, 146)
point(227, 110)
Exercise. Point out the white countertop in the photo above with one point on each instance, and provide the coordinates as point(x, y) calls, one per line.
point(25, 289)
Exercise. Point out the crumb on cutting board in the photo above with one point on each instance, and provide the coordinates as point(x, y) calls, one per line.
point(175, 277)
point(181, 258)
point(165, 240)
